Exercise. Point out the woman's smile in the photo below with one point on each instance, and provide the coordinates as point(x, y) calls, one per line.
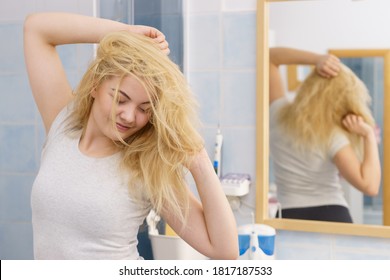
point(122, 128)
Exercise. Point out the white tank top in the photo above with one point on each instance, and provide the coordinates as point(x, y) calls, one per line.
point(81, 208)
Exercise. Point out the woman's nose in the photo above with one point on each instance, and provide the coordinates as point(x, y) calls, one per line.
point(128, 114)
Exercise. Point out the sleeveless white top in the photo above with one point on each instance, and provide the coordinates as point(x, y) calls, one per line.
point(81, 208)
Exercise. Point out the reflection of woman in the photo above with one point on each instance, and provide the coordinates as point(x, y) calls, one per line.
point(326, 131)
point(118, 146)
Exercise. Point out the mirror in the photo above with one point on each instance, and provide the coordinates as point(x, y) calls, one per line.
point(262, 128)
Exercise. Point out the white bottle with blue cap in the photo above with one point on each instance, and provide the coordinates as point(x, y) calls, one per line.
point(256, 242)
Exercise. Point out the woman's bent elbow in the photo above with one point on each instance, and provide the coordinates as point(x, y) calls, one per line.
point(372, 189)
point(227, 255)
point(30, 23)
point(233, 255)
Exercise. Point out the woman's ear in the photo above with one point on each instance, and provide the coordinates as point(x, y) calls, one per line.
point(94, 93)
point(151, 119)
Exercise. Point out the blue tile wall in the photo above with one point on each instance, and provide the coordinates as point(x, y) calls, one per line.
point(206, 87)
point(11, 48)
point(17, 149)
point(290, 245)
point(238, 151)
point(115, 10)
point(172, 27)
point(239, 98)
point(167, 16)
point(239, 40)
point(16, 97)
point(18, 156)
point(15, 193)
point(204, 42)
point(16, 241)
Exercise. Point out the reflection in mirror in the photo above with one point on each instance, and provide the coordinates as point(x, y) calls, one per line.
point(262, 148)
point(368, 65)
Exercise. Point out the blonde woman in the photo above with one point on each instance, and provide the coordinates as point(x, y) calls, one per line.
point(325, 132)
point(118, 146)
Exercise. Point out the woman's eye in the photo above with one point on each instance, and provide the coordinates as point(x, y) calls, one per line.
point(144, 110)
point(122, 100)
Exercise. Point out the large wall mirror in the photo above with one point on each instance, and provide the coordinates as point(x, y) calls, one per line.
point(377, 59)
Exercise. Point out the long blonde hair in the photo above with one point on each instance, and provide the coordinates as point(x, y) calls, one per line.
point(156, 155)
point(319, 107)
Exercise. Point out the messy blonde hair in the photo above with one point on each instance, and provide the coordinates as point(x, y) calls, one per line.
point(156, 155)
point(319, 107)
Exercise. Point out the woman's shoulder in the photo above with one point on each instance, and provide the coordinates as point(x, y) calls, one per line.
point(277, 104)
point(337, 140)
point(61, 120)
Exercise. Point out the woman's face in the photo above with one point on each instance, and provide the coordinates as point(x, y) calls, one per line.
point(132, 111)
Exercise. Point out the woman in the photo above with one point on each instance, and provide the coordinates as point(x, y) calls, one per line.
point(118, 146)
point(325, 132)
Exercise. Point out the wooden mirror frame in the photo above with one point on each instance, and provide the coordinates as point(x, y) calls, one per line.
point(262, 146)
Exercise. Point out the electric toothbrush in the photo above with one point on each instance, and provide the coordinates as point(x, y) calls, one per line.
point(217, 153)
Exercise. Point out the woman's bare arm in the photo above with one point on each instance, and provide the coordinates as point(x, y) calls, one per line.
point(211, 227)
point(364, 175)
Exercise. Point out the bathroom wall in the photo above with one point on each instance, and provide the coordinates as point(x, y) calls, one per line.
point(220, 65)
point(21, 131)
point(166, 15)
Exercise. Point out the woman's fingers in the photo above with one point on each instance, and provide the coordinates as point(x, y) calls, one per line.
point(157, 36)
point(329, 66)
point(356, 124)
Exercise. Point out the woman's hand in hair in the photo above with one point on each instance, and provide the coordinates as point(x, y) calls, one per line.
point(356, 124)
point(328, 66)
point(155, 34)
point(198, 160)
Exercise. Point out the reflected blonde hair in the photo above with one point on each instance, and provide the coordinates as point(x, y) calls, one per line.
point(156, 155)
point(319, 107)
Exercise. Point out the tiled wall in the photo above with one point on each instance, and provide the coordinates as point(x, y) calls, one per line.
point(220, 66)
point(166, 15)
point(21, 130)
point(292, 245)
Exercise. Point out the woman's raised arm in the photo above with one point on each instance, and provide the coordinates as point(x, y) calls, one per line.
point(43, 32)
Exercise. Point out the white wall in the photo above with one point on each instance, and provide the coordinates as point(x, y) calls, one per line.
point(321, 25)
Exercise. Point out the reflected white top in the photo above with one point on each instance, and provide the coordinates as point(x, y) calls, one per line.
point(304, 179)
